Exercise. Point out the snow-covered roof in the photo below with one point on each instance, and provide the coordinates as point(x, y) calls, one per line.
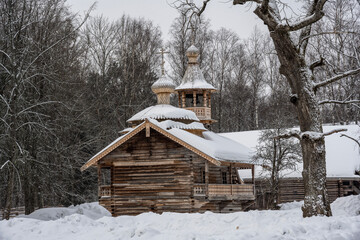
point(194, 79)
point(168, 124)
point(211, 146)
point(126, 130)
point(342, 154)
point(164, 111)
point(163, 83)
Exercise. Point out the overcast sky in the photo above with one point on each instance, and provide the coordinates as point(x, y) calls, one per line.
point(221, 13)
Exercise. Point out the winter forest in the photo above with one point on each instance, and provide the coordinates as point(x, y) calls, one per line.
point(68, 83)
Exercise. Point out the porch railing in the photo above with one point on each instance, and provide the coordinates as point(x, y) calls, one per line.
point(223, 190)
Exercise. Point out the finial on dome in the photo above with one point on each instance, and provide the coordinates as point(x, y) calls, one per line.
point(192, 53)
point(162, 52)
point(164, 86)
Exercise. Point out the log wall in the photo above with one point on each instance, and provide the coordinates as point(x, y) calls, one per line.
point(156, 174)
point(292, 189)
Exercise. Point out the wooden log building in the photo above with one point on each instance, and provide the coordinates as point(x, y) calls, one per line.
point(168, 161)
point(342, 160)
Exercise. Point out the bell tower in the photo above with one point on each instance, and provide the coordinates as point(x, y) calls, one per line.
point(194, 92)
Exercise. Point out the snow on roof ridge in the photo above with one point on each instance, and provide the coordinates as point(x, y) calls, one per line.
point(167, 124)
point(164, 111)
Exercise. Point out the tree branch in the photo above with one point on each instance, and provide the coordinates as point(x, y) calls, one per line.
point(334, 131)
point(242, 2)
point(317, 63)
point(308, 134)
point(203, 7)
point(326, 33)
point(344, 135)
point(290, 134)
point(61, 39)
point(316, 16)
point(335, 78)
point(339, 102)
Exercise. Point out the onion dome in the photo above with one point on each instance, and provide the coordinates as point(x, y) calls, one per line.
point(163, 87)
point(163, 84)
point(192, 53)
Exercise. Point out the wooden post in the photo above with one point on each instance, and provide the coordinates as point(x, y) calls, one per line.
point(183, 99)
point(253, 174)
point(194, 98)
point(179, 100)
point(206, 178)
point(147, 129)
point(99, 180)
point(209, 100)
point(205, 98)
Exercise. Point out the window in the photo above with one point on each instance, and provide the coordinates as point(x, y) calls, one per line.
point(105, 176)
point(189, 100)
point(199, 100)
point(224, 177)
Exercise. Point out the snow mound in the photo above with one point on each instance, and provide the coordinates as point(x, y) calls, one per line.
point(251, 225)
point(90, 210)
point(291, 205)
point(346, 206)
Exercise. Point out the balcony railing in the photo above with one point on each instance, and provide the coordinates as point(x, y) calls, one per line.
point(225, 191)
point(201, 112)
point(105, 191)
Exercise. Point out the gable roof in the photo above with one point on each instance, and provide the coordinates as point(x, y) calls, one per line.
point(212, 147)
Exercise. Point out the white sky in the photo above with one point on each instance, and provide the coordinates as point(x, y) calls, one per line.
point(221, 13)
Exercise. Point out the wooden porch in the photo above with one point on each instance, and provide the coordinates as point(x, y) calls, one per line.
point(212, 191)
point(225, 191)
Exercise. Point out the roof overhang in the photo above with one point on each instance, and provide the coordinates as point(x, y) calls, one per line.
point(146, 124)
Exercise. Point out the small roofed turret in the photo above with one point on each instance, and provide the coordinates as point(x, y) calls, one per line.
point(194, 91)
point(163, 111)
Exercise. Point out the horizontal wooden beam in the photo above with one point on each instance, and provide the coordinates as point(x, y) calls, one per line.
point(141, 163)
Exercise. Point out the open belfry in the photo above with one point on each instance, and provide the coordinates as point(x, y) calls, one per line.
point(194, 92)
point(168, 161)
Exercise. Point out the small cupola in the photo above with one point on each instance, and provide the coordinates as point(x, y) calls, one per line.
point(164, 86)
point(194, 92)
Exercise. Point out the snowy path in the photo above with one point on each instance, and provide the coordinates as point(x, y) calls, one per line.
point(87, 221)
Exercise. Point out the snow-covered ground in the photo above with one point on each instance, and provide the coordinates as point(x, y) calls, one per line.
point(91, 221)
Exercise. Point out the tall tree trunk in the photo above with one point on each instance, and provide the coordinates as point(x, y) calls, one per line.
point(9, 193)
point(29, 191)
point(298, 75)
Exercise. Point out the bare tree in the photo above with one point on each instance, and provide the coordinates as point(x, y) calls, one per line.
point(220, 67)
point(35, 39)
point(255, 49)
point(291, 39)
point(278, 157)
point(185, 31)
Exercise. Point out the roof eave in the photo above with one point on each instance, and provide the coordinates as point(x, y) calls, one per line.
point(129, 135)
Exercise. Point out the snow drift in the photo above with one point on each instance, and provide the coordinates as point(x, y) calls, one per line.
point(91, 221)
